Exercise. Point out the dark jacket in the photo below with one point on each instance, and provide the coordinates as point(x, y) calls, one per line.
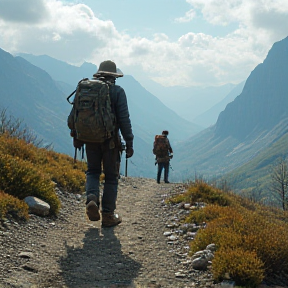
point(120, 108)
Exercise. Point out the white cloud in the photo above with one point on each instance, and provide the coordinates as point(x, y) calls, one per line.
point(68, 32)
point(256, 15)
point(19, 11)
point(72, 33)
point(189, 15)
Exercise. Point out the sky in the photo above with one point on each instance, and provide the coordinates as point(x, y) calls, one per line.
point(172, 42)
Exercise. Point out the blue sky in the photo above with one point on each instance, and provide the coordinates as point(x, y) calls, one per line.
point(146, 18)
point(172, 42)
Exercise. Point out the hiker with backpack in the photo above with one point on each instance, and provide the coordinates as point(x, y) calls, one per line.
point(99, 113)
point(163, 152)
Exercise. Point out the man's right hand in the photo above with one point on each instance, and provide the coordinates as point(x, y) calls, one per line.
point(129, 149)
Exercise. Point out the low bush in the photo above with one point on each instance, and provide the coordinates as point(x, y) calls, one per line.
point(209, 213)
point(254, 236)
point(20, 179)
point(12, 206)
point(243, 266)
point(28, 170)
point(220, 230)
point(62, 170)
point(202, 192)
point(18, 148)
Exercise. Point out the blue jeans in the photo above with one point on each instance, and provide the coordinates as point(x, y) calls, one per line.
point(161, 166)
point(98, 155)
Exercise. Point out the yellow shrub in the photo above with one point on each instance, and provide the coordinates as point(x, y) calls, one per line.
point(269, 240)
point(20, 179)
point(221, 236)
point(202, 192)
point(18, 148)
point(11, 206)
point(26, 170)
point(209, 213)
point(62, 170)
point(243, 266)
point(252, 234)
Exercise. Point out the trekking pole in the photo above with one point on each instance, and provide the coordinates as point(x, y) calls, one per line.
point(75, 155)
point(126, 164)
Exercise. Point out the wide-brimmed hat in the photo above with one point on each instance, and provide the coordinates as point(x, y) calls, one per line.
point(108, 67)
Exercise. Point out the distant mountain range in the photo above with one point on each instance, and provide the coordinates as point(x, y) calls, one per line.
point(61, 71)
point(210, 116)
point(251, 124)
point(249, 134)
point(192, 102)
point(199, 105)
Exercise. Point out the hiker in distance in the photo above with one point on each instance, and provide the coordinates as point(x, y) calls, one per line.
point(99, 113)
point(163, 152)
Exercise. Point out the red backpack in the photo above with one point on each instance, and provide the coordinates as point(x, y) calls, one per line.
point(161, 146)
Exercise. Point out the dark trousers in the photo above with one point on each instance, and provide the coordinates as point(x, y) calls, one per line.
point(98, 155)
point(162, 165)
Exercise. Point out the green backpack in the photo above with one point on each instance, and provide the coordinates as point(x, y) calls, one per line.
point(91, 118)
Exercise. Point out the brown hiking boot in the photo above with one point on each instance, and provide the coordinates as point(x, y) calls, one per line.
point(110, 219)
point(92, 209)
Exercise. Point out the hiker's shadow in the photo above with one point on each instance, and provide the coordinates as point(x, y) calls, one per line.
point(99, 263)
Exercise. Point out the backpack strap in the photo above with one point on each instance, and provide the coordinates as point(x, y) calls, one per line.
point(71, 96)
point(75, 91)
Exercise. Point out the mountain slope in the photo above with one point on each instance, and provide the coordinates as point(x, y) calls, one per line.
point(263, 102)
point(249, 124)
point(257, 172)
point(30, 94)
point(210, 116)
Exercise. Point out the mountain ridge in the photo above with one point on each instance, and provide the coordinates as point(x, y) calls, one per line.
point(249, 124)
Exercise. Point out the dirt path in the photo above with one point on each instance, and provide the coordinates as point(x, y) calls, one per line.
point(70, 251)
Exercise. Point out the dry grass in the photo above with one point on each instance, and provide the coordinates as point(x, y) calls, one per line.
point(27, 170)
point(251, 239)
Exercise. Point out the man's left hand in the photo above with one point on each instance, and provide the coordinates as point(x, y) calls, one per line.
point(77, 143)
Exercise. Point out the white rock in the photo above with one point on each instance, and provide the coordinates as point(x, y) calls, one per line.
point(172, 238)
point(37, 206)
